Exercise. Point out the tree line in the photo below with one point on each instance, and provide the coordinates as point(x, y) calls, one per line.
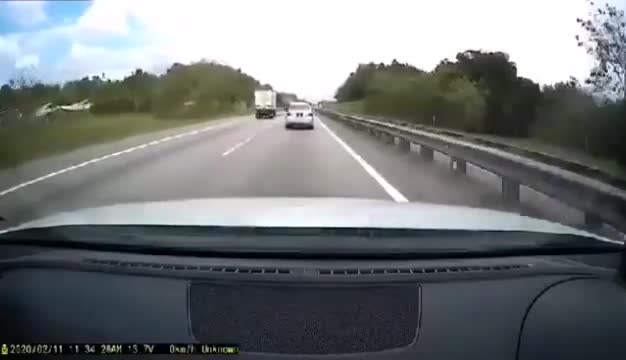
point(481, 92)
point(184, 90)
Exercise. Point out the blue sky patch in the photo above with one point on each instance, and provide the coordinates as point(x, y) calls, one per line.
point(22, 16)
point(60, 12)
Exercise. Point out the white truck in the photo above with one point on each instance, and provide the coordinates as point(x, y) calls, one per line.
point(265, 104)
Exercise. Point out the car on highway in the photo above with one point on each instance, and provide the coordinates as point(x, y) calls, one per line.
point(299, 115)
point(321, 278)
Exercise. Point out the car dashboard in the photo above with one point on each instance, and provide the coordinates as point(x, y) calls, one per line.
point(538, 307)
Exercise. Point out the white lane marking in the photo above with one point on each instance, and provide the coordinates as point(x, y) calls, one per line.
point(237, 146)
point(392, 191)
point(115, 154)
point(247, 140)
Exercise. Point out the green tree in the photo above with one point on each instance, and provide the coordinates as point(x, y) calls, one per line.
point(7, 97)
point(354, 88)
point(526, 98)
point(606, 41)
point(511, 102)
point(464, 105)
point(203, 89)
point(565, 116)
point(495, 73)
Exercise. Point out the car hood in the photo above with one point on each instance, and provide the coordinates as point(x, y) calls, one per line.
point(303, 212)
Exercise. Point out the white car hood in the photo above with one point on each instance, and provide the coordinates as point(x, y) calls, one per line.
point(304, 212)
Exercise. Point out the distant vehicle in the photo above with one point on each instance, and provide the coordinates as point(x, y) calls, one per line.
point(299, 114)
point(50, 108)
point(79, 106)
point(265, 104)
point(45, 110)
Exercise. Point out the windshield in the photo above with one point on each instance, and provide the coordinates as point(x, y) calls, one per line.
point(479, 117)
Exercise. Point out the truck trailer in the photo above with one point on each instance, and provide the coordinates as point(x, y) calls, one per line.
point(265, 104)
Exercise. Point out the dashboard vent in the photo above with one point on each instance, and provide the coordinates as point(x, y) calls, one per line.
point(426, 270)
point(322, 271)
point(184, 267)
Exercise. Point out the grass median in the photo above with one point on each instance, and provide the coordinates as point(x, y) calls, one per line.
point(29, 142)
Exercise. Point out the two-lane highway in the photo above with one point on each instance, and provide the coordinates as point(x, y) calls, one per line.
point(251, 158)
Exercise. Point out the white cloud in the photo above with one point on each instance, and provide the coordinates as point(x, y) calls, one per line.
point(106, 17)
point(9, 52)
point(29, 60)
point(27, 13)
point(310, 46)
point(8, 46)
point(336, 35)
point(81, 61)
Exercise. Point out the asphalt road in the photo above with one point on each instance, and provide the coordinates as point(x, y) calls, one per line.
point(244, 157)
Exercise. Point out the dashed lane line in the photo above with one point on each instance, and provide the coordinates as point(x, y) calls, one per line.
point(113, 155)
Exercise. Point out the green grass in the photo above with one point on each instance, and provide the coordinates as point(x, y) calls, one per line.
point(607, 166)
point(29, 142)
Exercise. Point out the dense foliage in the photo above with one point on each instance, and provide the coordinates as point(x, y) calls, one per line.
point(478, 92)
point(481, 92)
point(198, 89)
point(605, 40)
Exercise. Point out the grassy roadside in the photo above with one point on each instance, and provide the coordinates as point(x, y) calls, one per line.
point(21, 144)
point(607, 166)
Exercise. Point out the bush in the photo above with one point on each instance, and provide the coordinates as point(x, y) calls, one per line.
point(453, 102)
point(215, 88)
point(211, 88)
point(481, 92)
point(113, 106)
point(463, 106)
point(609, 132)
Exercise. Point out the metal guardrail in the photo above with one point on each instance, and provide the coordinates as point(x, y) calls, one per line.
point(577, 167)
point(601, 202)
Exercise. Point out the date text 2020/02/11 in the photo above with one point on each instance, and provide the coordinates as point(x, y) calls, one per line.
point(134, 348)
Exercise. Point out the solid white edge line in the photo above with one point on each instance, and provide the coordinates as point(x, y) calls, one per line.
point(392, 191)
point(237, 146)
point(112, 155)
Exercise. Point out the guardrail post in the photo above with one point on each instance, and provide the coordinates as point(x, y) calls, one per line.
point(404, 144)
point(426, 153)
point(510, 189)
point(384, 137)
point(457, 165)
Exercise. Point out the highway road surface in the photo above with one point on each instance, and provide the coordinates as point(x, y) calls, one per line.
point(244, 157)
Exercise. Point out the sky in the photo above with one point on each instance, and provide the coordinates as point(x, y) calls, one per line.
point(304, 46)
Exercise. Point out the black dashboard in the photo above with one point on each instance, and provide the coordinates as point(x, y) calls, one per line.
point(539, 307)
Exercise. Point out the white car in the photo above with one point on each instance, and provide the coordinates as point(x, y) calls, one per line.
point(299, 114)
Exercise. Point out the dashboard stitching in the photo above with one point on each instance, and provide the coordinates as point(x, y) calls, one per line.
point(188, 310)
point(532, 303)
point(419, 315)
